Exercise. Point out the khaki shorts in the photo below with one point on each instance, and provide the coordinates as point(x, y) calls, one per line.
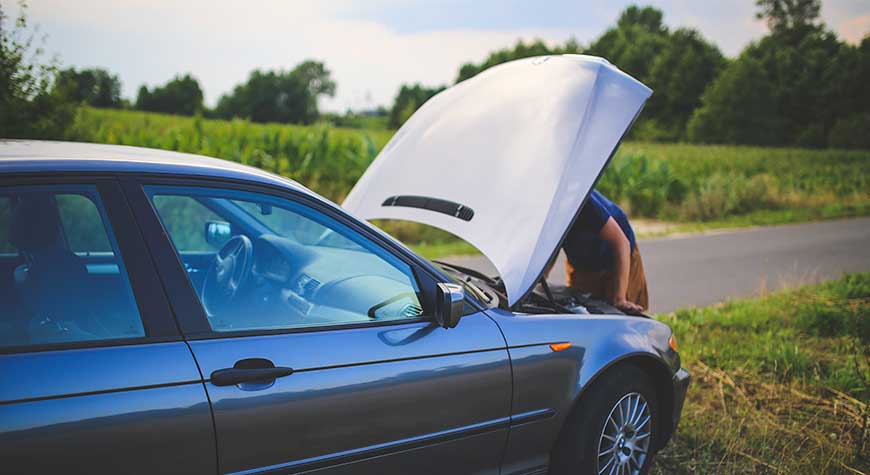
point(600, 284)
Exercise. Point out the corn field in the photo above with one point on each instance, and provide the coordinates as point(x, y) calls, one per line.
point(665, 181)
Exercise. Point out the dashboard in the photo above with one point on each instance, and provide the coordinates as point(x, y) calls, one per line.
point(293, 284)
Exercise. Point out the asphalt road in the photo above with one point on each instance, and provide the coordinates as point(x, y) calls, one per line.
point(700, 270)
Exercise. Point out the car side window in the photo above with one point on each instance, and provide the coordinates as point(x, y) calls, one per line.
point(82, 225)
point(185, 218)
point(61, 276)
point(282, 265)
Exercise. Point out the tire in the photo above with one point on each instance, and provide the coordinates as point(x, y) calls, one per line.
point(585, 435)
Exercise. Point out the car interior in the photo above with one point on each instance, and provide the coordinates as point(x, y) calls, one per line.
point(50, 293)
point(260, 266)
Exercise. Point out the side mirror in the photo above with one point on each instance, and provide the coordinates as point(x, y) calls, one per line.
point(449, 304)
point(217, 233)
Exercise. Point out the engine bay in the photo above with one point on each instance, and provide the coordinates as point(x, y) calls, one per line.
point(561, 299)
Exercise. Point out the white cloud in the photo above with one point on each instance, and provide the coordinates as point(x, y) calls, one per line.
point(855, 29)
point(220, 42)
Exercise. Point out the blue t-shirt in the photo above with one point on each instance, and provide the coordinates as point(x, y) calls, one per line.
point(585, 250)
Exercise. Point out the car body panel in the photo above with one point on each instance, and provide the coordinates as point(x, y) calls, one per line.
point(515, 149)
point(125, 409)
point(544, 378)
point(358, 395)
point(43, 375)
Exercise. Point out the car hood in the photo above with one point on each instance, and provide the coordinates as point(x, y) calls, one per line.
point(505, 160)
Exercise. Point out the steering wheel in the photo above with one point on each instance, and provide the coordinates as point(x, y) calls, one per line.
point(229, 271)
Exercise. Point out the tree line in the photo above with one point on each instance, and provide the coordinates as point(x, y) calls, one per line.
point(799, 85)
point(266, 96)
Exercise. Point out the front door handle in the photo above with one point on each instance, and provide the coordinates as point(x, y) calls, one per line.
point(249, 370)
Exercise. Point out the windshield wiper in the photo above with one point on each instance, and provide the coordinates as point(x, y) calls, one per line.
point(477, 291)
point(467, 271)
point(463, 277)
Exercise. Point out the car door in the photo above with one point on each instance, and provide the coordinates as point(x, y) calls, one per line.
point(96, 377)
point(342, 368)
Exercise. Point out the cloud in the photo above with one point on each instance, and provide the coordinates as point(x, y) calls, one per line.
point(372, 47)
point(855, 29)
point(148, 42)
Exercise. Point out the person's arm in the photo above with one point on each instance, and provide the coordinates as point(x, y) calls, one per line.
point(619, 243)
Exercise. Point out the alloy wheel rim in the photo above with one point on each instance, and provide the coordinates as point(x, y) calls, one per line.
point(624, 442)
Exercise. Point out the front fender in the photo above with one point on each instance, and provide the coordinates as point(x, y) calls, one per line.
point(550, 382)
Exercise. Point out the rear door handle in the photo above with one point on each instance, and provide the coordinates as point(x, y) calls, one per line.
point(249, 370)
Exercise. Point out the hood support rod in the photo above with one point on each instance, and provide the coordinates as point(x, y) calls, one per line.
point(548, 292)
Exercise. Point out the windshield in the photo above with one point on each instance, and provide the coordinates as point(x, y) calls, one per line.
point(289, 224)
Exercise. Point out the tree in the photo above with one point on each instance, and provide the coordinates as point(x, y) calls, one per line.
point(789, 15)
point(679, 75)
point(29, 107)
point(519, 51)
point(409, 99)
point(677, 65)
point(849, 97)
point(95, 87)
point(637, 39)
point(740, 107)
point(815, 85)
point(279, 96)
point(182, 95)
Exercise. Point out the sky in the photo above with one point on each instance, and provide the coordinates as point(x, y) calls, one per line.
point(370, 46)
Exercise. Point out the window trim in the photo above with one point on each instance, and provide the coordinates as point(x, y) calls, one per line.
point(158, 322)
point(191, 316)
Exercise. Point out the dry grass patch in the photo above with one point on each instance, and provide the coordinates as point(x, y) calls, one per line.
point(781, 384)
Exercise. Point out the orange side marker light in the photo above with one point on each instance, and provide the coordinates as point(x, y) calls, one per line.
point(559, 346)
point(673, 343)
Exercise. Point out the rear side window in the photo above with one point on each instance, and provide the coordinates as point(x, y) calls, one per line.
point(82, 224)
point(62, 278)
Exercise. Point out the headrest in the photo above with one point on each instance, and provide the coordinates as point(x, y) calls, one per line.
point(35, 222)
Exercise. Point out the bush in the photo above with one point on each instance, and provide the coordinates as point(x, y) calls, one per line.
point(851, 132)
point(722, 195)
point(646, 187)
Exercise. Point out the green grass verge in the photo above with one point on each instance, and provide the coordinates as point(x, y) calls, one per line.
point(767, 217)
point(781, 383)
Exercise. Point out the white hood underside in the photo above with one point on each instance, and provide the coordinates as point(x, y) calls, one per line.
point(520, 144)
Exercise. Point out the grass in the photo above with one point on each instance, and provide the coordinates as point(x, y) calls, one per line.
point(699, 187)
point(438, 249)
point(781, 383)
point(764, 218)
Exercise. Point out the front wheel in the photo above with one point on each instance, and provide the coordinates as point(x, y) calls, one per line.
point(614, 430)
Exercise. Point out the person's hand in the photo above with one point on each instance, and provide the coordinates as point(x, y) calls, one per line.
point(627, 306)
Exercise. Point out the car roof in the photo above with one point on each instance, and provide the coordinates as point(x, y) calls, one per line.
point(35, 156)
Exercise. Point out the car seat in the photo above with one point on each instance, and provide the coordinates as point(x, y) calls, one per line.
point(53, 283)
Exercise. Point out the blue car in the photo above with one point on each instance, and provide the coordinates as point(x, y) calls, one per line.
point(170, 313)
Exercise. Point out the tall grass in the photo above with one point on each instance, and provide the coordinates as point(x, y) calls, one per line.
point(781, 384)
point(682, 182)
point(703, 183)
point(324, 158)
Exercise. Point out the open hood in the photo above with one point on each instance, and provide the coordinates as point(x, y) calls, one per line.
point(505, 159)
